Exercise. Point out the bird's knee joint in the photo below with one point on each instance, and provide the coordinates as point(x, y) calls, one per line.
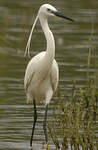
point(35, 116)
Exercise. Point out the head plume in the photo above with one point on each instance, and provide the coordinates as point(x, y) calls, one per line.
point(29, 40)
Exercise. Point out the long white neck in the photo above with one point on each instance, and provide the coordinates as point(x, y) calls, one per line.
point(50, 51)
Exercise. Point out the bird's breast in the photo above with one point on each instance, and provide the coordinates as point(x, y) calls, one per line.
point(39, 86)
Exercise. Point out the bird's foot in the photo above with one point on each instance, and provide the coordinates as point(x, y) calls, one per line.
point(31, 148)
point(46, 147)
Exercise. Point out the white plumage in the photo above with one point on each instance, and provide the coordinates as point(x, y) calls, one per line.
point(42, 73)
point(41, 80)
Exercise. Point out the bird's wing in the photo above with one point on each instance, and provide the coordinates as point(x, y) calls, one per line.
point(31, 67)
point(54, 75)
point(28, 76)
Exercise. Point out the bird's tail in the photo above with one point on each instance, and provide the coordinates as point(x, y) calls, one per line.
point(29, 99)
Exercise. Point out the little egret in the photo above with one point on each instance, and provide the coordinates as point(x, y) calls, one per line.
point(42, 73)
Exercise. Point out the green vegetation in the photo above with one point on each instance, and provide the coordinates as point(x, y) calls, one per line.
point(75, 124)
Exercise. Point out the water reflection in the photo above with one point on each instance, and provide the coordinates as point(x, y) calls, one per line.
point(72, 43)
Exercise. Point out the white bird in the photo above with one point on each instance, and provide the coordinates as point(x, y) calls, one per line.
point(42, 72)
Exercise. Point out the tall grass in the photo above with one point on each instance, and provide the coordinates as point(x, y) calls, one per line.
point(75, 125)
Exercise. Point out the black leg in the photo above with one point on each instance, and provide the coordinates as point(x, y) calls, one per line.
point(35, 119)
point(45, 124)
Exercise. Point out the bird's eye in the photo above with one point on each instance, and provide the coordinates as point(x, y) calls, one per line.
point(48, 9)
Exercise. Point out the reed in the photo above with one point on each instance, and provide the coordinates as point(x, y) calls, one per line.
point(75, 123)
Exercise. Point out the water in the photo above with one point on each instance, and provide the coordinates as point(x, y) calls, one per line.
point(72, 44)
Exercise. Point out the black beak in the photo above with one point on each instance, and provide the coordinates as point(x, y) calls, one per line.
point(58, 14)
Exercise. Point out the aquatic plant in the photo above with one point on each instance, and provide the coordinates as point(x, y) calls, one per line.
point(75, 123)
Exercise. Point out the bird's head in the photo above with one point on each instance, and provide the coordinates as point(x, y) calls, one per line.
point(48, 10)
point(44, 11)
